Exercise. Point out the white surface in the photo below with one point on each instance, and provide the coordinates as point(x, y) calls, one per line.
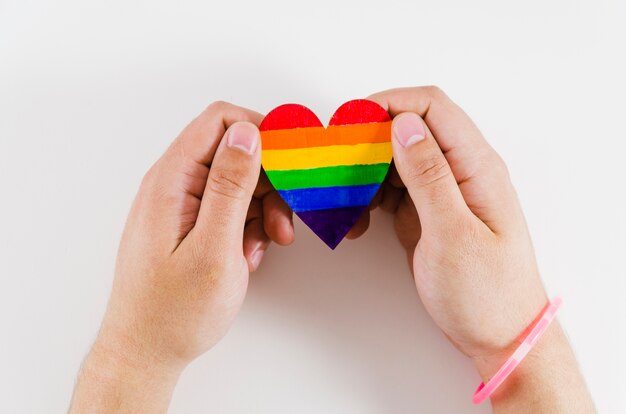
point(91, 94)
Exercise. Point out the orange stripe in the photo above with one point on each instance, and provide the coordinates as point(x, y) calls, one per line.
point(307, 137)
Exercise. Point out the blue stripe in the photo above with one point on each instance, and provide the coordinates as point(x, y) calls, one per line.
point(307, 199)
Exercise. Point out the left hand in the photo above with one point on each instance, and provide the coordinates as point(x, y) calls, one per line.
point(202, 219)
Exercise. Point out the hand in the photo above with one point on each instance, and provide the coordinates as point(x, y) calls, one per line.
point(458, 217)
point(468, 246)
point(200, 222)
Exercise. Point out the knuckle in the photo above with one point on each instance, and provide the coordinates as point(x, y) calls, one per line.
point(435, 92)
point(228, 183)
point(150, 178)
point(500, 166)
point(154, 186)
point(494, 167)
point(429, 171)
point(218, 106)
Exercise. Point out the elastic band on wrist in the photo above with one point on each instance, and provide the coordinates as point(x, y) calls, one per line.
point(484, 391)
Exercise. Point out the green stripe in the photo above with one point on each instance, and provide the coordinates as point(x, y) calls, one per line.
point(341, 175)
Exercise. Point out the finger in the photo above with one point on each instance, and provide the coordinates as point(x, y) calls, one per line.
point(407, 225)
point(447, 121)
point(480, 172)
point(255, 210)
point(170, 194)
point(278, 219)
point(393, 177)
point(391, 198)
point(376, 200)
point(277, 216)
point(360, 227)
point(255, 243)
point(264, 186)
point(184, 166)
point(232, 179)
point(200, 139)
point(426, 174)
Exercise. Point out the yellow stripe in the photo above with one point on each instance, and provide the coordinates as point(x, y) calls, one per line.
point(328, 156)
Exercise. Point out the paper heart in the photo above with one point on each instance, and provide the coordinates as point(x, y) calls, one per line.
point(328, 176)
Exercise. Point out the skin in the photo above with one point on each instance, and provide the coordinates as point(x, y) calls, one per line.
point(205, 213)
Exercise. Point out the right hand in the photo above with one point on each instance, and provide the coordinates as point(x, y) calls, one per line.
point(458, 218)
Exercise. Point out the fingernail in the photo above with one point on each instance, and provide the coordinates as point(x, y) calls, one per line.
point(256, 258)
point(408, 129)
point(243, 137)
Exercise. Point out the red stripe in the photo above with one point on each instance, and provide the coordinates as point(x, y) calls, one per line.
point(359, 111)
point(290, 116)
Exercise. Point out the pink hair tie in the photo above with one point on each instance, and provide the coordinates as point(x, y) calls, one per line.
point(484, 391)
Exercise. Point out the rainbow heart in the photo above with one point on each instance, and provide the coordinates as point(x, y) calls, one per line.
point(328, 176)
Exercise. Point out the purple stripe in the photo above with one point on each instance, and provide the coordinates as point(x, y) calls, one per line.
point(331, 225)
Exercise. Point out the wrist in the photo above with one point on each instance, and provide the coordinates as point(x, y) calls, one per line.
point(118, 375)
point(547, 380)
point(114, 360)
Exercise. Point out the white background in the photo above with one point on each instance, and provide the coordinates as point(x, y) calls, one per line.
point(91, 93)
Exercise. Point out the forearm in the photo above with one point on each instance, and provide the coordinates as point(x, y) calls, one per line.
point(109, 382)
point(548, 380)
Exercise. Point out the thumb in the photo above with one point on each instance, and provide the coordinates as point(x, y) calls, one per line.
point(426, 173)
point(233, 176)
